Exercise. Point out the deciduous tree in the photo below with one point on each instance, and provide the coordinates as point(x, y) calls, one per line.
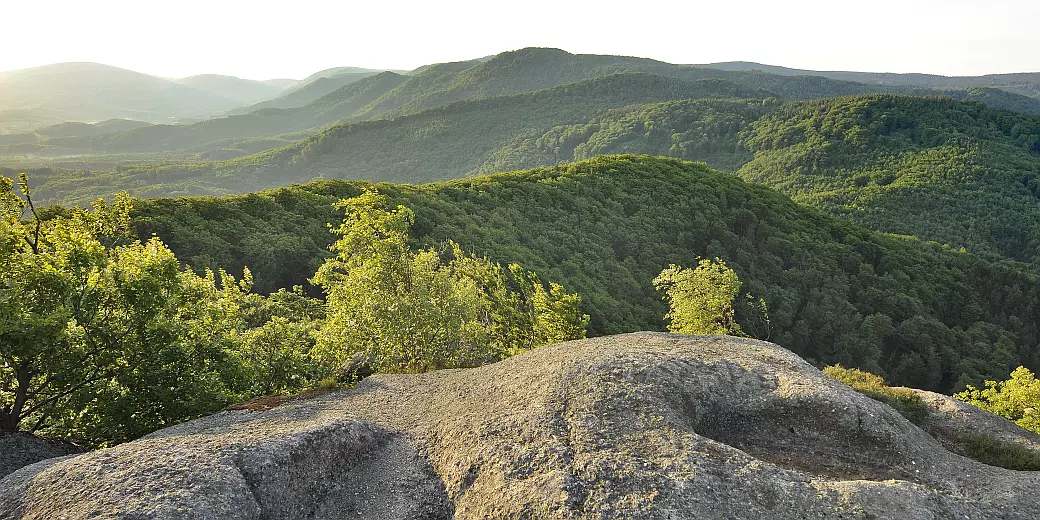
point(1017, 398)
point(700, 300)
point(102, 338)
point(393, 309)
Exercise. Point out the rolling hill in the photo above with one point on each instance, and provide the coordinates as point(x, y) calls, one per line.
point(339, 71)
point(532, 69)
point(232, 136)
point(91, 92)
point(954, 172)
point(359, 96)
point(306, 92)
point(456, 140)
point(705, 130)
point(388, 95)
point(18, 121)
point(955, 152)
point(948, 170)
point(242, 91)
point(918, 313)
point(74, 129)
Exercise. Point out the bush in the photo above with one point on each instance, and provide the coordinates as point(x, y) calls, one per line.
point(982, 447)
point(987, 449)
point(904, 400)
point(1017, 398)
point(700, 299)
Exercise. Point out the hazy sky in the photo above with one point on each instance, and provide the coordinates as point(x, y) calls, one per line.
point(259, 39)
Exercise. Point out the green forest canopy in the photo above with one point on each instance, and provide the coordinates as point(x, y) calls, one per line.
point(919, 314)
point(171, 148)
point(949, 171)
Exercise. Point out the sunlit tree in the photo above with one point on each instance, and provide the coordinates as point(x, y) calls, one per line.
point(394, 309)
point(1017, 398)
point(700, 299)
point(101, 337)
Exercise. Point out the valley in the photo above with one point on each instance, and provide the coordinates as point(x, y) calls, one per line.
point(344, 264)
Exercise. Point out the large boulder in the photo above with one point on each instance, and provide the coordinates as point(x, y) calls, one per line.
point(640, 425)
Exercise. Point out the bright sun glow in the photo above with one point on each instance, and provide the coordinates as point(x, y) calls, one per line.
point(260, 40)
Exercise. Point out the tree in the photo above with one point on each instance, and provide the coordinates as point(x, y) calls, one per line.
point(276, 356)
point(395, 310)
point(700, 300)
point(276, 347)
point(102, 338)
point(1017, 398)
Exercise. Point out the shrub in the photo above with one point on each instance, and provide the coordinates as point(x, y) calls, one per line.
point(1017, 398)
point(392, 309)
point(903, 400)
point(700, 299)
point(987, 449)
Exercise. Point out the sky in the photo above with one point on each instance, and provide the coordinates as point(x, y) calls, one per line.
point(262, 40)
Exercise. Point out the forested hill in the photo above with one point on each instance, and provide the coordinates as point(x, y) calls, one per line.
point(920, 314)
point(950, 171)
point(308, 90)
point(390, 95)
point(508, 73)
point(954, 172)
point(442, 143)
point(531, 69)
point(350, 97)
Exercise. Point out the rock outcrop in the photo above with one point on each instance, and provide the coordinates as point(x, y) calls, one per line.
point(640, 425)
point(18, 450)
point(950, 421)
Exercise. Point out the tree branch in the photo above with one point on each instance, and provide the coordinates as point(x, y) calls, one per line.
point(39, 422)
point(35, 242)
point(54, 398)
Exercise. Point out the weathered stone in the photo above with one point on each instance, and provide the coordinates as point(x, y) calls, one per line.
point(18, 450)
point(950, 420)
point(640, 425)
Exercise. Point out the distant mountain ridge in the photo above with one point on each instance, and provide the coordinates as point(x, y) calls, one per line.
point(310, 107)
point(237, 89)
point(1024, 83)
point(339, 71)
point(487, 129)
point(306, 92)
point(232, 133)
point(440, 143)
point(92, 92)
